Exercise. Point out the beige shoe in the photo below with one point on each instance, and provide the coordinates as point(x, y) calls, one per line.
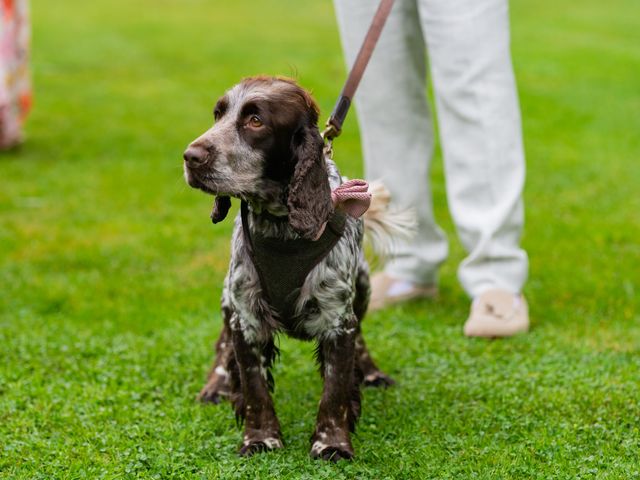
point(497, 313)
point(387, 290)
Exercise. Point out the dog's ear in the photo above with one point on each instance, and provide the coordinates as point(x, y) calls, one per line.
point(309, 201)
point(221, 206)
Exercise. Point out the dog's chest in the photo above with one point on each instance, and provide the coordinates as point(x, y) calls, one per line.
point(320, 304)
point(283, 264)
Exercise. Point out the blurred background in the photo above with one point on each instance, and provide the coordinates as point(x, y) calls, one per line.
point(110, 270)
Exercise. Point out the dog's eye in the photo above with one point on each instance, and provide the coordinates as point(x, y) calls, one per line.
point(255, 121)
point(217, 114)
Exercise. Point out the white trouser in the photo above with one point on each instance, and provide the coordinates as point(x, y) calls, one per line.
point(479, 122)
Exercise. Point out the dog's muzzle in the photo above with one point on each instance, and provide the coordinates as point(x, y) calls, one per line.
point(196, 156)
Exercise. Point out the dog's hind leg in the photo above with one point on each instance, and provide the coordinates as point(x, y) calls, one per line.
point(370, 374)
point(219, 382)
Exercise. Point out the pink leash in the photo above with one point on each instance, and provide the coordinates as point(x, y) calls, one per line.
point(352, 197)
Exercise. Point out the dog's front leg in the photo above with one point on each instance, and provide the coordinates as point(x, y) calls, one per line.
point(340, 403)
point(262, 429)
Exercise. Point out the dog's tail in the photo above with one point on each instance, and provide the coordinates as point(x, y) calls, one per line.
point(383, 224)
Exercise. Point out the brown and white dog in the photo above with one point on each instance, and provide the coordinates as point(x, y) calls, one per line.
point(265, 149)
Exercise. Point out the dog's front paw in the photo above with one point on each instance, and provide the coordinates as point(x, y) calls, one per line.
point(332, 447)
point(216, 388)
point(378, 379)
point(259, 443)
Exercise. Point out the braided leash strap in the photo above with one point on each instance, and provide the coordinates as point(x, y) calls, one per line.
point(352, 197)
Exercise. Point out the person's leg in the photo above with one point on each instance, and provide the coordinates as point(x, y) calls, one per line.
point(396, 127)
point(479, 117)
point(477, 103)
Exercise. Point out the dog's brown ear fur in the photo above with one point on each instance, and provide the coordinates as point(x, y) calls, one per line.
point(221, 206)
point(309, 201)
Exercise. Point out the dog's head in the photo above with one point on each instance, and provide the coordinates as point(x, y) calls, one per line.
point(264, 147)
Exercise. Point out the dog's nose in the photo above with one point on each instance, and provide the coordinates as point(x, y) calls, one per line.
point(195, 155)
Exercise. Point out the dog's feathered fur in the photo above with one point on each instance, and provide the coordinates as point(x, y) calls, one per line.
point(265, 148)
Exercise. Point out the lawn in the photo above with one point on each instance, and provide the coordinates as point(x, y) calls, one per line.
point(110, 271)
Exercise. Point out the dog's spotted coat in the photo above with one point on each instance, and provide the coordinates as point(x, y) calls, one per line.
point(265, 148)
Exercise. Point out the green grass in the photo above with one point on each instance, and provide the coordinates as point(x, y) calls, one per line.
point(110, 270)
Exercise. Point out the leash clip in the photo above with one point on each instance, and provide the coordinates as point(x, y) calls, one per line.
point(328, 149)
point(328, 134)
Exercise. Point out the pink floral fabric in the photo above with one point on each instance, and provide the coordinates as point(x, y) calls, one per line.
point(15, 81)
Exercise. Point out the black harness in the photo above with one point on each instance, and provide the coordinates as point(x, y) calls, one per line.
point(283, 265)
